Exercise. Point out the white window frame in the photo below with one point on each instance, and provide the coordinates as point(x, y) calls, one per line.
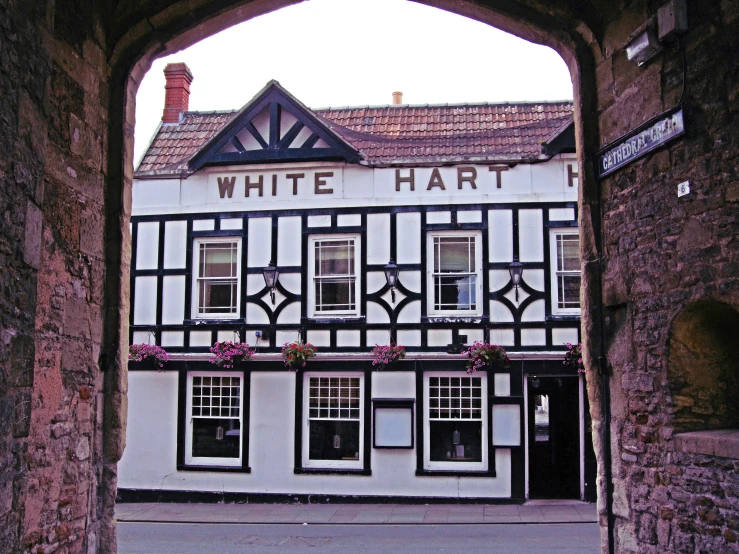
point(485, 447)
point(312, 240)
point(430, 252)
point(212, 461)
point(553, 234)
point(331, 464)
point(195, 297)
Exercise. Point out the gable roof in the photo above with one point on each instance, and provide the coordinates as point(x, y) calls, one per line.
point(289, 131)
point(371, 135)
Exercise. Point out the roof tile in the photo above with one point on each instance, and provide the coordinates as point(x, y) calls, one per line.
point(387, 134)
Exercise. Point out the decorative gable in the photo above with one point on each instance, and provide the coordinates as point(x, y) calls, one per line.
point(563, 140)
point(273, 127)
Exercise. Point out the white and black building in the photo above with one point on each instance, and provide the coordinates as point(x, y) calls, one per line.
point(452, 195)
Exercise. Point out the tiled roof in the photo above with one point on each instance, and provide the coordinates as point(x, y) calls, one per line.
point(393, 134)
point(488, 132)
point(173, 144)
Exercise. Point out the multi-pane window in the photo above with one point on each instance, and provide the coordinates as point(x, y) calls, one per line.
point(334, 434)
point(455, 422)
point(565, 247)
point(215, 417)
point(333, 275)
point(216, 273)
point(455, 279)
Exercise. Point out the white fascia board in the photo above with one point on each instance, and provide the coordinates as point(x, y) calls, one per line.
point(339, 356)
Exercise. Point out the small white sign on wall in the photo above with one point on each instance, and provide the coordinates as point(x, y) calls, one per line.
point(393, 422)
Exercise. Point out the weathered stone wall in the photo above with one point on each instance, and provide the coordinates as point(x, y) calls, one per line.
point(699, 508)
point(663, 253)
point(53, 114)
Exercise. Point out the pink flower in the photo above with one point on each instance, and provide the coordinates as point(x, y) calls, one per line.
point(148, 352)
point(385, 355)
point(483, 354)
point(227, 354)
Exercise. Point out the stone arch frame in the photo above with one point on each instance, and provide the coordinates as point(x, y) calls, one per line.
point(151, 33)
point(67, 67)
point(703, 366)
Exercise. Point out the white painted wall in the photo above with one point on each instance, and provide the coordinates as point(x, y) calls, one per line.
point(149, 461)
point(175, 244)
point(259, 241)
point(530, 235)
point(145, 301)
point(349, 186)
point(288, 241)
point(147, 245)
point(173, 299)
point(408, 238)
point(500, 228)
point(378, 238)
point(151, 433)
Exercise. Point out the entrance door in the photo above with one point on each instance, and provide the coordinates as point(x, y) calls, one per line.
point(554, 437)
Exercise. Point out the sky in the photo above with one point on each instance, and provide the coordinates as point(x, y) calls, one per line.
point(356, 53)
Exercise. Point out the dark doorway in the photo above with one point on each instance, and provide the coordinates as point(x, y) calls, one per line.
point(554, 437)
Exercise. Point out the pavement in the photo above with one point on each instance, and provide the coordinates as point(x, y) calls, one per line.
point(532, 512)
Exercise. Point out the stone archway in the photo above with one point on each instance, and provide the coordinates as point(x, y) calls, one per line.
point(568, 33)
point(68, 75)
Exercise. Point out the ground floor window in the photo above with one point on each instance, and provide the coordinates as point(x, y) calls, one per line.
point(214, 419)
point(455, 422)
point(334, 420)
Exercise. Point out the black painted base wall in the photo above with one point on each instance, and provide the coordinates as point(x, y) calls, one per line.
point(129, 496)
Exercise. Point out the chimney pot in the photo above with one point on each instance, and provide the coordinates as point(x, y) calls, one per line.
point(397, 98)
point(176, 91)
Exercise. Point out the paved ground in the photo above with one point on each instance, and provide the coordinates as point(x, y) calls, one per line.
point(290, 538)
point(535, 511)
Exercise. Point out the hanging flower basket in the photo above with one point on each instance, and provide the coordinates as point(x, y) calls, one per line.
point(482, 354)
point(386, 355)
point(296, 354)
point(573, 357)
point(150, 353)
point(226, 354)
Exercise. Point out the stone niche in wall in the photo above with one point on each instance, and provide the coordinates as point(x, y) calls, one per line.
point(703, 367)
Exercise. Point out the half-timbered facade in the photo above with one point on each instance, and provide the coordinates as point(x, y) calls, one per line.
point(452, 195)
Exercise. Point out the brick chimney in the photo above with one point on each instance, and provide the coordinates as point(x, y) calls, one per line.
point(397, 98)
point(177, 91)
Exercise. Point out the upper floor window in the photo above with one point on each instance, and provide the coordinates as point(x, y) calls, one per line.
point(216, 277)
point(565, 259)
point(455, 273)
point(333, 277)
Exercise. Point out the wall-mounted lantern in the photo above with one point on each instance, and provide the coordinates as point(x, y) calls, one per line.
point(271, 275)
point(391, 276)
point(515, 268)
point(643, 48)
